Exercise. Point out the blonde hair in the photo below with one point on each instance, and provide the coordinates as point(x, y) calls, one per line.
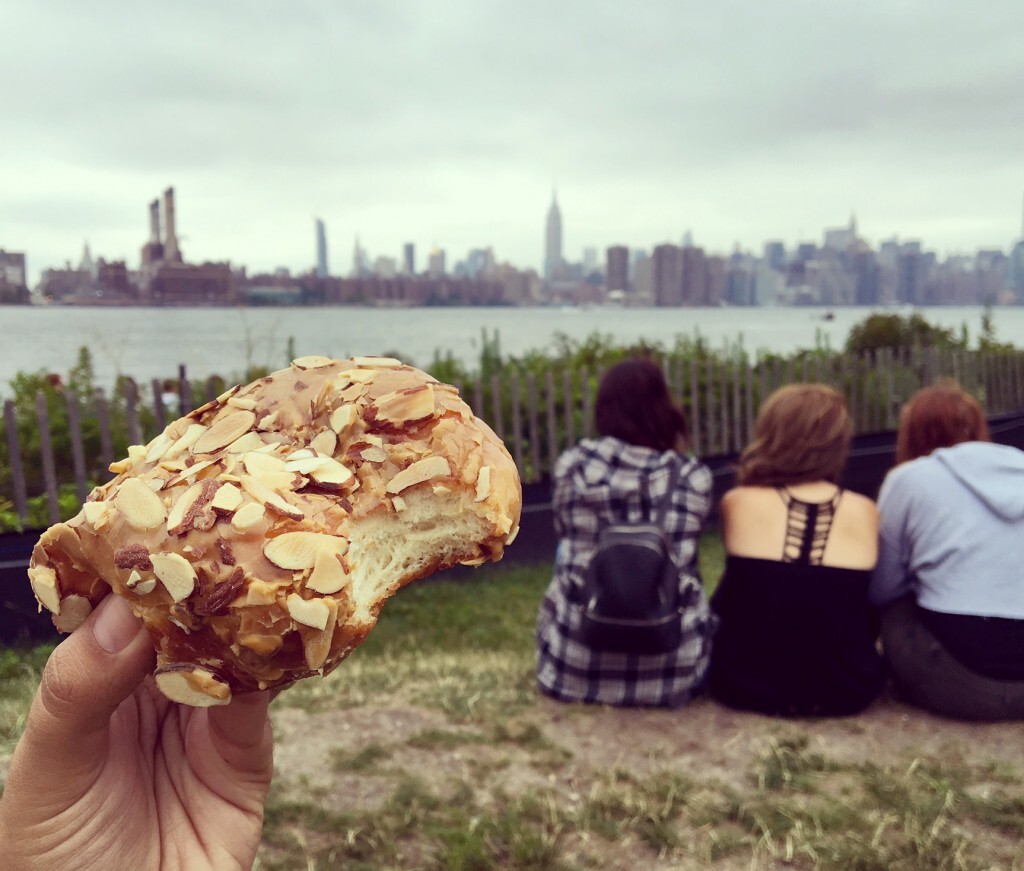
point(802, 434)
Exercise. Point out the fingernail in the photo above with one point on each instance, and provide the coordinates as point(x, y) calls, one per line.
point(115, 624)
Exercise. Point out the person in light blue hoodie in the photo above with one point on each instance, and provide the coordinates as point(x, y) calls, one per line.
point(950, 573)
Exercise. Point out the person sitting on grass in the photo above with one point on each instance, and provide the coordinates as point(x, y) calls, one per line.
point(626, 475)
point(797, 635)
point(950, 573)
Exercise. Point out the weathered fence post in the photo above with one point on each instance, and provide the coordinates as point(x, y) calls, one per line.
point(77, 449)
point(46, 456)
point(14, 454)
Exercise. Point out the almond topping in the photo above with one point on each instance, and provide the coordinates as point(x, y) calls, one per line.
point(242, 402)
point(260, 593)
point(144, 588)
point(402, 405)
point(157, 448)
point(374, 454)
point(312, 362)
point(418, 472)
point(44, 585)
point(512, 535)
point(271, 498)
point(309, 612)
point(224, 431)
point(328, 574)
point(176, 521)
point(73, 611)
point(331, 473)
point(189, 685)
point(325, 443)
point(248, 516)
point(186, 442)
point(317, 647)
point(227, 498)
point(140, 506)
point(298, 550)
point(175, 573)
point(343, 417)
point(483, 484)
point(251, 441)
point(96, 513)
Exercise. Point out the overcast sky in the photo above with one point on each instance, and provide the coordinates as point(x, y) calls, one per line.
point(449, 123)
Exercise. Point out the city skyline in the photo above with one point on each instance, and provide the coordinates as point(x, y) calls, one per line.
point(448, 129)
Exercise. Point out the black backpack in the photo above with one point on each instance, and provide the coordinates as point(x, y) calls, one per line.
point(631, 601)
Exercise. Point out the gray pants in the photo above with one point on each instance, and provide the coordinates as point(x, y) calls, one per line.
point(928, 676)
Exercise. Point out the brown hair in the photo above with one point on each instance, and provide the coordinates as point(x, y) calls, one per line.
point(633, 404)
point(939, 416)
point(802, 434)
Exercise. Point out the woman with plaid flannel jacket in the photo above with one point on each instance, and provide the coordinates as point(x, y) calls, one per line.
point(618, 478)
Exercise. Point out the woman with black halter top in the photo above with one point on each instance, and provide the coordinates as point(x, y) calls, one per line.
point(797, 635)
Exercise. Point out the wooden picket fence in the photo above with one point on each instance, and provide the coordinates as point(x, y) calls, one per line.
point(537, 415)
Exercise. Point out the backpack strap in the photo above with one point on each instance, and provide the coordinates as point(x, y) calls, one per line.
point(665, 503)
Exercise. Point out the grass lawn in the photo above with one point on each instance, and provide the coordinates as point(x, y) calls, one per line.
point(429, 749)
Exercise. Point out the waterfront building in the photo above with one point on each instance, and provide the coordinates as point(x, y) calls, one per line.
point(553, 241)
point(13, 277)
point(321, 249)
point(667, 275)
point(409, 258)
point(436, 265)
point(617, 268)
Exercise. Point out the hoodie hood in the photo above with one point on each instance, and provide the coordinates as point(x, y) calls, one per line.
point(993, 473)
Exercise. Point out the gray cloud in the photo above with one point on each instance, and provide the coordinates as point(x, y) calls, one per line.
point(450, 122)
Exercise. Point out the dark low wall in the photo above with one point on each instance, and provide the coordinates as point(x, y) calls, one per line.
point(871, 456)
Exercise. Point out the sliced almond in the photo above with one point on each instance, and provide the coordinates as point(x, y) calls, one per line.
point(224, 431)
point(374, 454)
point(418, 472)
point(190, 685)
point(140, 506)
point(343, 417)
point(243, 402)
point(96, 513)
point(305, 465)
point(398, 502)
point(260, 593)
point(271, 498)
point(271, 470)
point(227, 498)
point(313, 361)
point(483, 484)
point(189, 473)
point(328, 575)
point(403, 405)
point(355, 376)
point(298, 550)
point(251, 441)
point(175, 573)
point(331, 473)
point(267, 422)
point(158, 447)
point(187, 441)
point(317, 647)
point(227, 394)
point(182, 508)
point(247, 517)
point(144, 588)
point(308, 612)
point(73, 611)
point(325, 443)
point(512, 535)
point(377, 362)
point(44, 584)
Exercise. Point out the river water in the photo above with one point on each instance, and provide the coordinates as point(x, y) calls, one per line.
point(150, 343)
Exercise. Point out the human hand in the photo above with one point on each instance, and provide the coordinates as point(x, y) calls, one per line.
point(111, 774)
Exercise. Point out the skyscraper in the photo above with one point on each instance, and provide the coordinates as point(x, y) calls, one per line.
point(409, 258)
point(617, 269)
point(321, 249)
point(553, 241)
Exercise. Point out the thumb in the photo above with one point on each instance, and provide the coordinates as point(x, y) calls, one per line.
point(86, 678)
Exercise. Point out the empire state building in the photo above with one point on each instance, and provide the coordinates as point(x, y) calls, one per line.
point(553, 241)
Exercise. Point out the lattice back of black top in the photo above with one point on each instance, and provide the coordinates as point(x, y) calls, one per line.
point(807, 527)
